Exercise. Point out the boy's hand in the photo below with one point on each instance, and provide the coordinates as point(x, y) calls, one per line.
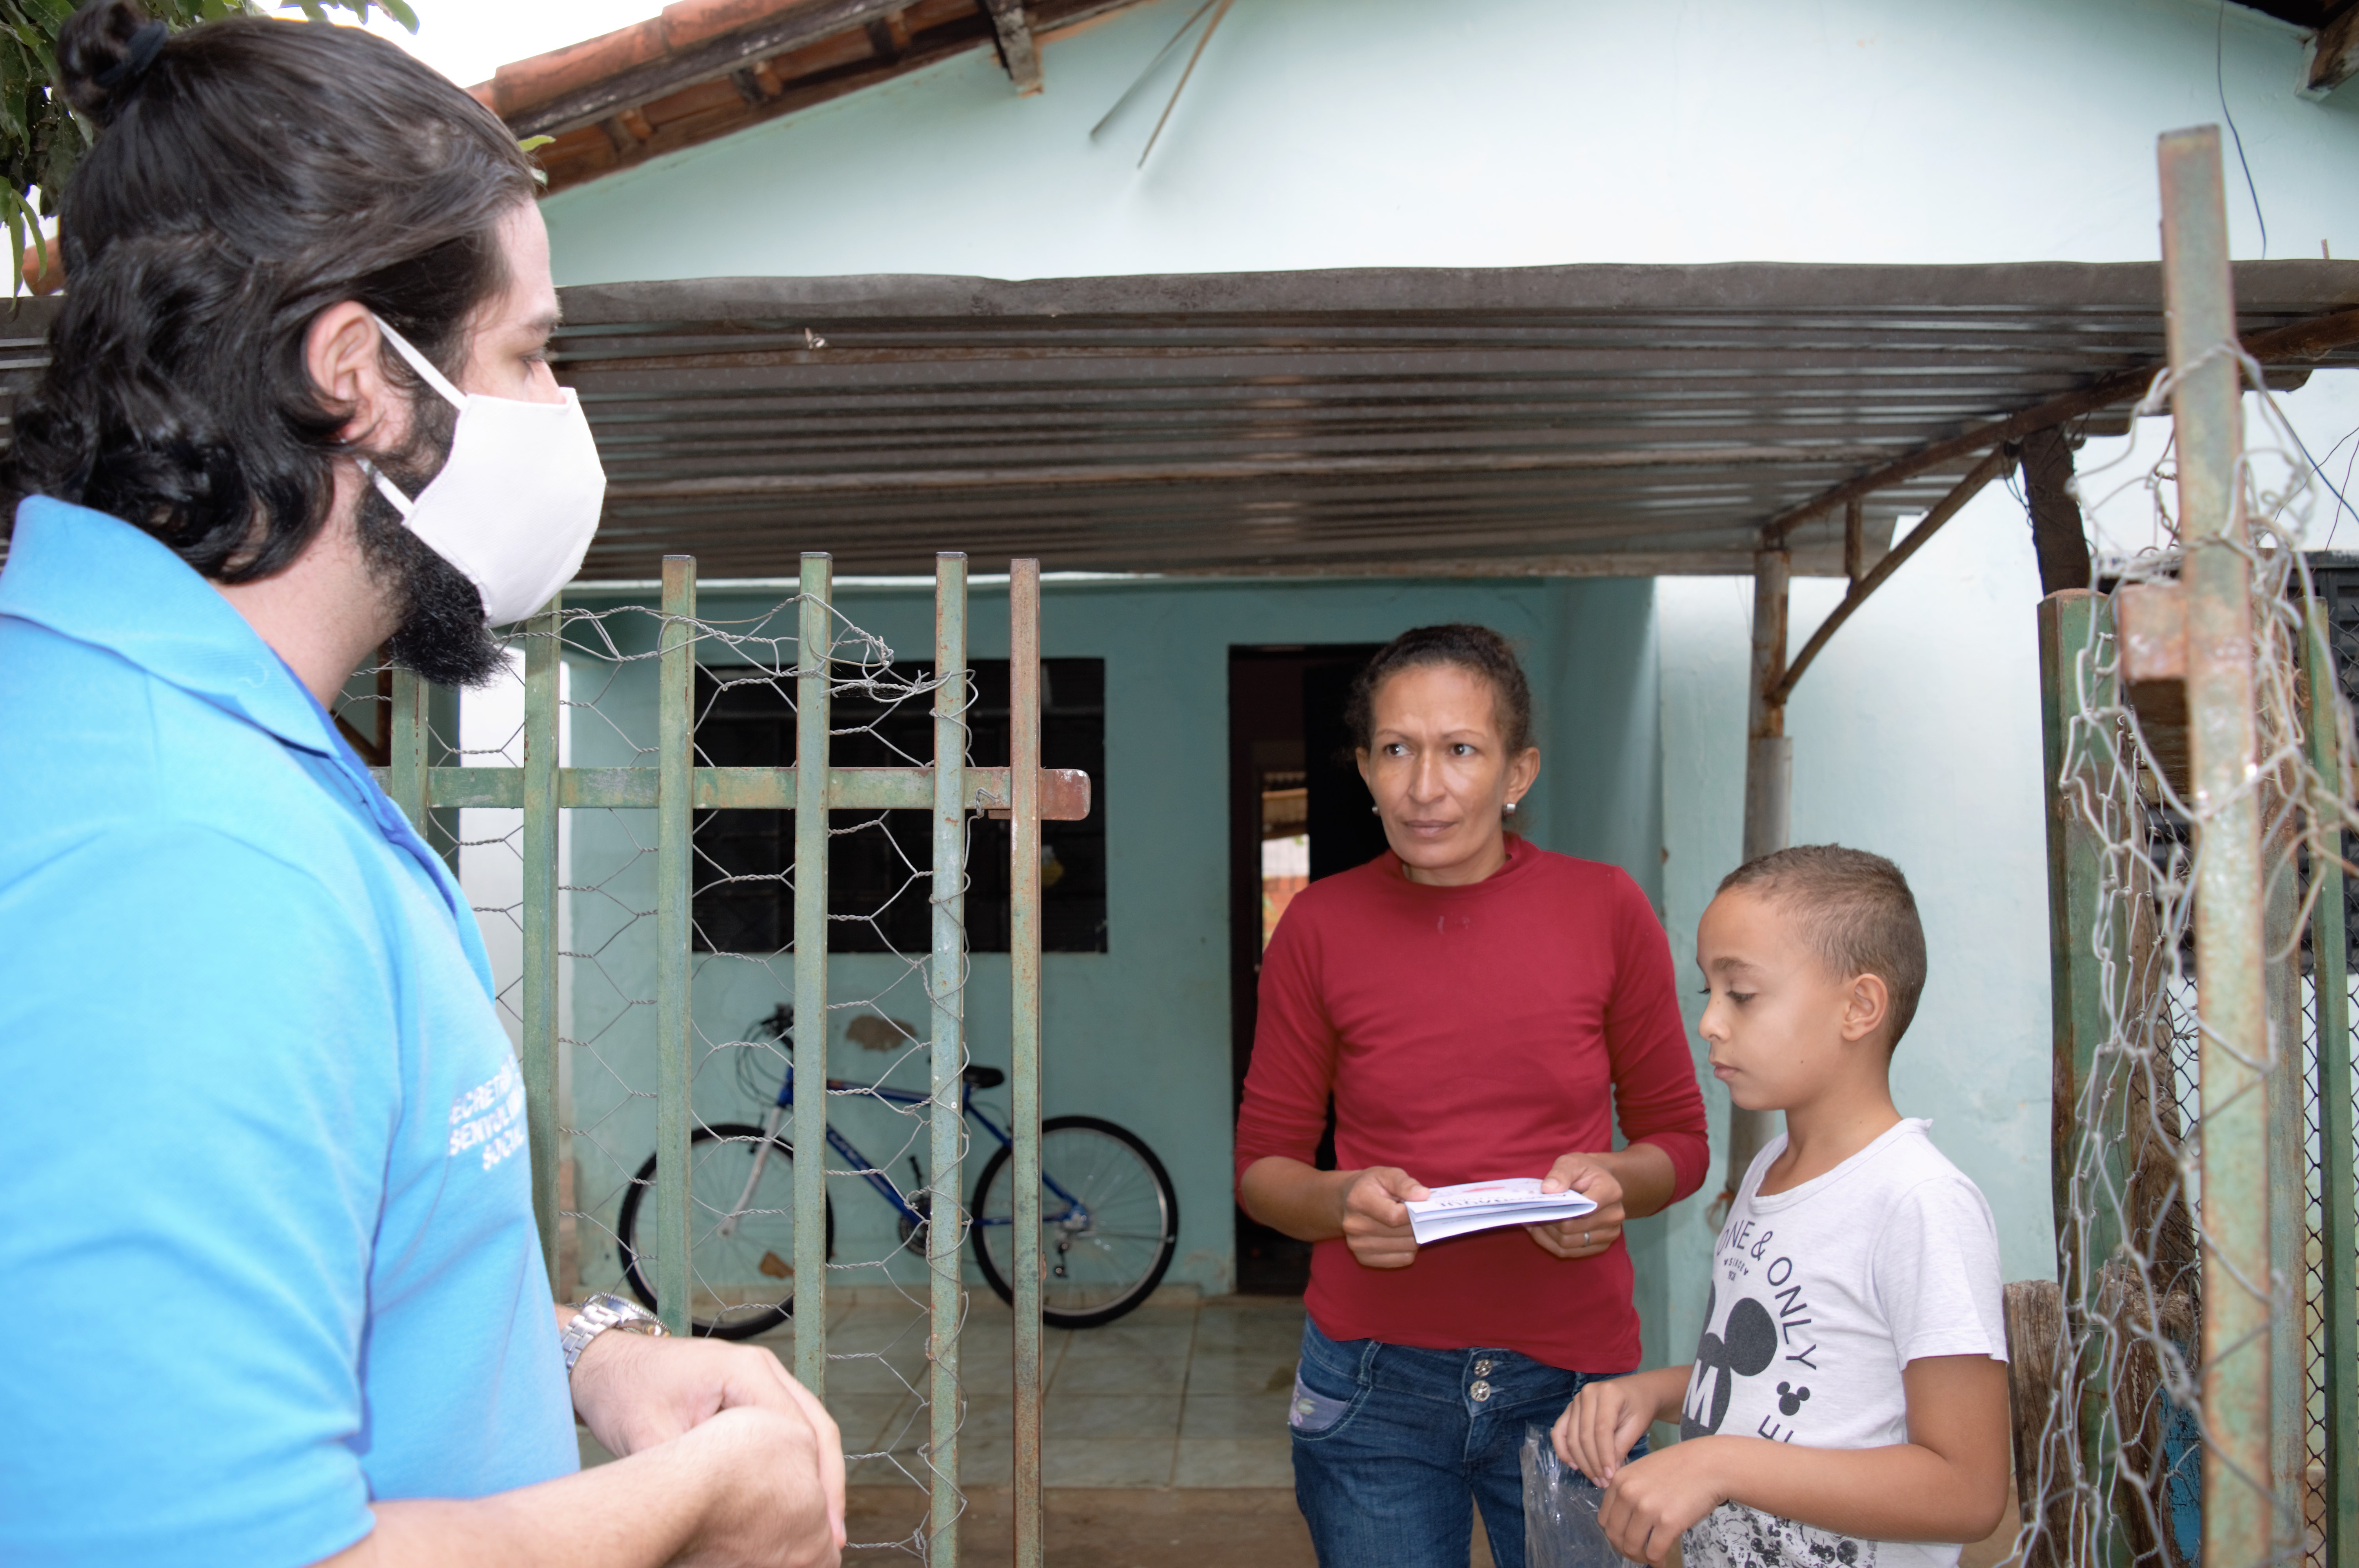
point(1593, 1233)
point(1656, 1499)
point(1375, 1225)
point(1596, 1430)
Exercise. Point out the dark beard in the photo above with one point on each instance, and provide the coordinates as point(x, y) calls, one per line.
point(440, 636)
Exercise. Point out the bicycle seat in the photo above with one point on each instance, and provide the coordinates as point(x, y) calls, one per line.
point(984, 1078)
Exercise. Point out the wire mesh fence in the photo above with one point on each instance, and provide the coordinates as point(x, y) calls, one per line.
point(752, 981)
point(2135, 1446)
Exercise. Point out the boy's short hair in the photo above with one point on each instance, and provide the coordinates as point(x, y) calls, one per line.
point(1850, 908)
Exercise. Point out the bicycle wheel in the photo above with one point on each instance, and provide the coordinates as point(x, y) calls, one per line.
point(1109, 1221)
point(742, 1243)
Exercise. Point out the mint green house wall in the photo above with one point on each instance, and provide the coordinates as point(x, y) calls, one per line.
point(1509, 133)
point(1139, 1033)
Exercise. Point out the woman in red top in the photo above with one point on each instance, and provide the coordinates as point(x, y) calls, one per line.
point(1477, 1007)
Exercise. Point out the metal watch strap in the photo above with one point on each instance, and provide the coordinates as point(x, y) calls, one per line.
point(596, 1314)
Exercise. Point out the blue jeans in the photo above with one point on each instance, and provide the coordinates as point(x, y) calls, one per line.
point(1394, 1447)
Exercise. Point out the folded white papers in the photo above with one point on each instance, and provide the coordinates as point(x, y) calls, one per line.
point(1479, 1206)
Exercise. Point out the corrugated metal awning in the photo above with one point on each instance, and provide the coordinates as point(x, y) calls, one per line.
point(1581, 419)
point(1585, 419)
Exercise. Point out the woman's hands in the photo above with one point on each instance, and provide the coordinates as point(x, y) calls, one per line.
point(1595, 1232)
point(1629, 1184)
point(1365, 1208)
point(1374, 1224)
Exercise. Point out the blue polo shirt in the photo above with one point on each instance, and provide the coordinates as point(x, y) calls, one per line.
point(265, 1220)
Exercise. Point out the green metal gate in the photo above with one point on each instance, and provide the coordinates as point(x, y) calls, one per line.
point(420, 776)
point(2203, 1355)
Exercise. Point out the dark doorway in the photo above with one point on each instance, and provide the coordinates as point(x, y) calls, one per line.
point(1298, 812)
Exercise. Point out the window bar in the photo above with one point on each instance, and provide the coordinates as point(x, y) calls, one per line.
point(1023, 974)
point(815, 647)
point(542, 658)
point(675, 739)
point(946, 978)
point(2338, 1202)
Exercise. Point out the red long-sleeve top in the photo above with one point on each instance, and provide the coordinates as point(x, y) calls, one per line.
point(1468, 1033)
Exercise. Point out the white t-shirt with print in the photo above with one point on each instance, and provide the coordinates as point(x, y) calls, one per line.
point(1821, 1294)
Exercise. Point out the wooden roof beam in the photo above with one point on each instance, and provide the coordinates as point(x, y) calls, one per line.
point(1017, 50)
point(2333, 55)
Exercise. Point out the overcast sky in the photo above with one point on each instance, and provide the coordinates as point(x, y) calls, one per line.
point(466, 41)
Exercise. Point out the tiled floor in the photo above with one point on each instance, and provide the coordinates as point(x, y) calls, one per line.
point(1189, 1394)
point(1186, 1395)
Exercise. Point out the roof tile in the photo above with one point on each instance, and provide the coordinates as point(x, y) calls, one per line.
point(526, 82)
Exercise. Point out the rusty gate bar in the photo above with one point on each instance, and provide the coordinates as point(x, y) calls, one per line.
point(2338, 1202)
point(674, 1276)
point(543, 661)
point(814, 651)
point(946, 979)
point(1024, 984)
point(2207, 412)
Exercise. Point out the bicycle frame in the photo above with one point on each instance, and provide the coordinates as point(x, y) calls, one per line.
point(1074, 1216)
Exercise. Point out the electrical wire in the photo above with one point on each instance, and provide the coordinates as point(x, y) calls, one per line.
point(2220, 80)
point(2341, 503)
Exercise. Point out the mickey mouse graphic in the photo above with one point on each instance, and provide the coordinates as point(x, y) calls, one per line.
point(1745, 1345)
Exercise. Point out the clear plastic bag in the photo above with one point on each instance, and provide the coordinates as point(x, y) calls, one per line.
point(1560, 1528)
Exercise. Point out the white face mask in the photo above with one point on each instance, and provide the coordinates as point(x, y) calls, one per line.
point(514, 507)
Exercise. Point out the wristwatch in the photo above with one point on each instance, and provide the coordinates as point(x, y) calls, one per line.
point(595, 1316)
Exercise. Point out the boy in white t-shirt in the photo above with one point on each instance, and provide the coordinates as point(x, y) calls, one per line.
point(1847, 1407)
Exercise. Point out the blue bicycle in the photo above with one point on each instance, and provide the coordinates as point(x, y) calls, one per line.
point(1109, 1215)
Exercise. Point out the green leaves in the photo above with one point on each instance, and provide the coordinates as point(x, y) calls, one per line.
point(41, 139)
point(317, 10)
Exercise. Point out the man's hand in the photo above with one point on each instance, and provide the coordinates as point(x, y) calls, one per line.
point(1595, 1232)
point(1597, 1429)
point(634, 1391)
point(1375, 1225)
point(766, 1507)
point(1654, 1500)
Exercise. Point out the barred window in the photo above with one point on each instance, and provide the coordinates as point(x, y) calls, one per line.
point(879, 872)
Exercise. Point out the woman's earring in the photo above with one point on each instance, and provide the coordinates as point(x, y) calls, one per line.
point(1375, 811)
point(1511, 808)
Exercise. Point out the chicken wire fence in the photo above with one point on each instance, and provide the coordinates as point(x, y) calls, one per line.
point(2129, 1453)
point(684, 977)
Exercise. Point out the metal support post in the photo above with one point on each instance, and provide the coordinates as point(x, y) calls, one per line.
point(1768, 789)
point(674, 1279)
point(406, 751)
point(542, 661)
point(2338, 1306)
point(2240, 1522)
point(815, 648)
point(1024, 977)
point(946, 981)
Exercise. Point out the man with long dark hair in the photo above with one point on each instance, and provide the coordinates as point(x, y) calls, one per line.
point(261, 1137)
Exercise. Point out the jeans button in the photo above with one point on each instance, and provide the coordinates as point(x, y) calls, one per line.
point(1482, 1368)
point(1480, 1391)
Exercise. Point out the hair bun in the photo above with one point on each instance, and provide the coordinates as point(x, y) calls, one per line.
point(103, 51)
